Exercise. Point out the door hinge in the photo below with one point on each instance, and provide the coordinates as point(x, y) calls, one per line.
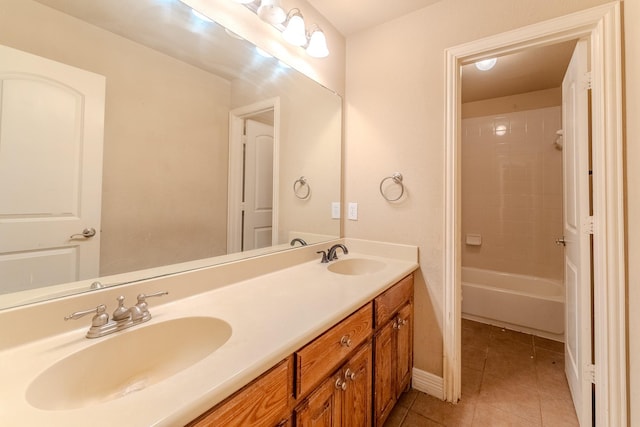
point(590, 373)
point(589, 225)
point(588, 80)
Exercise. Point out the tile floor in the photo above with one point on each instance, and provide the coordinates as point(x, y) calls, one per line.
point(508, 379)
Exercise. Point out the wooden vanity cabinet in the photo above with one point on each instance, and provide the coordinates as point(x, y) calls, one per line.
point(344, 398)
point(393, 347)
point(265, 402)
point(350, 376)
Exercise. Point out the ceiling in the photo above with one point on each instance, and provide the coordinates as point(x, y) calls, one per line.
point(351, 16)
point(526, 71)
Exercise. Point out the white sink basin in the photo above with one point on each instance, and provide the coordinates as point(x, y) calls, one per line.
point(356, 266)
point(127, 362)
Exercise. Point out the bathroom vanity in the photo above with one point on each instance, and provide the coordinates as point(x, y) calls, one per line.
point(365, 358)
point(263, 341)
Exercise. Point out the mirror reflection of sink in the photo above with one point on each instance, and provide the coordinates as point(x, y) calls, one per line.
point(356, 266)
point(127, 362)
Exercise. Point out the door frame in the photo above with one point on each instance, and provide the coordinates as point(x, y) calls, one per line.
point(602, 26)
point(236, 120)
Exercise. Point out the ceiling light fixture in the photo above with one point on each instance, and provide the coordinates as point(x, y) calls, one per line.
point(244, 1)
point(317, 47)
point(486, 64)
point(294, 31)
point(271, 12)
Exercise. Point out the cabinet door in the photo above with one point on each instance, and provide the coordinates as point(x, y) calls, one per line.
point(356, 404)
point(404, 346)
point(323, 407)
point(385, 373)
point(263, 403)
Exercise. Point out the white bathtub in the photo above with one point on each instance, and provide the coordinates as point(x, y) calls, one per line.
point(522, 303)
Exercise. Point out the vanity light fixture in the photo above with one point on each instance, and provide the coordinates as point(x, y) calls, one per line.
point(271, 12)
point(486, 64)
point(317, 47)
point(294, 32)
point(291, 25)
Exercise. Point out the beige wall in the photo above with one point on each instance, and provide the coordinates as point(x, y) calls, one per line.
point(395, 121)
point(512, 192)
point(165, 151)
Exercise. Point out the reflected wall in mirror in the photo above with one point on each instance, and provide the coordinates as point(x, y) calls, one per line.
point(177, 91)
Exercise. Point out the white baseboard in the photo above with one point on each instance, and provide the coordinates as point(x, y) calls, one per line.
point(428, 383)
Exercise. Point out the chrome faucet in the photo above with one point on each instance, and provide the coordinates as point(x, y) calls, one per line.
point(298, 240)
point(122, 317)
point(331, 255)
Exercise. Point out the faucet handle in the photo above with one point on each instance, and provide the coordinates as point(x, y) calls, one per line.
point(142, 303)
point(142, 298)
point(100, 318)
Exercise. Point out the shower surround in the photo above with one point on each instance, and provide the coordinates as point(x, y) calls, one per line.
point(512, 192)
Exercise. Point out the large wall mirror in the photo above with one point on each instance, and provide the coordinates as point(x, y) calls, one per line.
point(139, 139)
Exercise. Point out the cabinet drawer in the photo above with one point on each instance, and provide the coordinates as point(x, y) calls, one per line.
point(264, 402)
point(392, 299)
point(319, 358)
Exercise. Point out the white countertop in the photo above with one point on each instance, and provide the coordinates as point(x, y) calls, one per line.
point(271, 316)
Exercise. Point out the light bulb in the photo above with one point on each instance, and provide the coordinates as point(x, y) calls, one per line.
point(318, 45)
point(295, 32)
point(271, 12)
point(486, 64)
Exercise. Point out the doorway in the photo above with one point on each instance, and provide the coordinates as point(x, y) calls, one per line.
point(601, 26)
point(520, 130)
point(253, 176)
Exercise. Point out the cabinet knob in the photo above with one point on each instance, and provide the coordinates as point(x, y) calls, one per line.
point(349, 375)
point(399, 323)
point(341, 385)
point(345, 341)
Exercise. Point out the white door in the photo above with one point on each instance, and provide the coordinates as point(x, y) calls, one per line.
point(258, 186)
point(575, 117)
point(51, 134)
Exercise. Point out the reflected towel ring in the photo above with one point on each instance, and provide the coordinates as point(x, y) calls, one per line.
point(298, 184)
point(397, 179)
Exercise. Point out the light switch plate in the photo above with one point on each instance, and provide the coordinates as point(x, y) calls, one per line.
point(353, 211)
point(335, 210)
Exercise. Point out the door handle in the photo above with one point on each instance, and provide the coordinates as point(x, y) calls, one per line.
point(561, 241)
point(87, 232)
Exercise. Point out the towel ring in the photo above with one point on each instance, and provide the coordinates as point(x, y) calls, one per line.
point(397, 179)
point(297, 186)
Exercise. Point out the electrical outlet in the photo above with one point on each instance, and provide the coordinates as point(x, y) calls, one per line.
point(335, 210)
point(353, 211)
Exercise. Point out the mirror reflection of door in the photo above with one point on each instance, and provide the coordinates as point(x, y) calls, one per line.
point(253, 176)
point(51, 135)
point(257, 186)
